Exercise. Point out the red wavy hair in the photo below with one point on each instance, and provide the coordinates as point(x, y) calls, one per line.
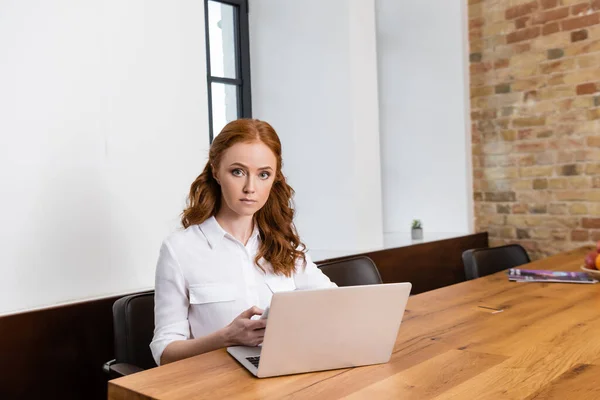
point(280, 244)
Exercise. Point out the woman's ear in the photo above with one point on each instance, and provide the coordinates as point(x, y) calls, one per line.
point(214, 173)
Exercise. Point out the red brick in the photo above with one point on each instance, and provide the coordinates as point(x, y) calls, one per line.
point(593, 141)
point(520, 23)
point(502, 63)
point(549, 29)
point(555, 66)
point(520, 10)
point(479, 68)
point(590, 223)
point(593, 114)
point(530, 147)
point(523, 34)
point(580, 22)
point(557, 79)
point(586, 88)
point(479, 91)
point(501, 197)
point(475, 23)
point(529, 121)
point(549, 4)
point(489, 114)
point(525, 134)
point(580, 235)
point(552, 15)
point(522, 47)
point(475, 34)
point(577, 36)
point(565, 130)
point(540, 184)
point(569, 170)
point(564, 105)
point(544, 134)
point(519, 208)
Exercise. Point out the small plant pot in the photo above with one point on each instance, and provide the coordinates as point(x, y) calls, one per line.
point(417, 234)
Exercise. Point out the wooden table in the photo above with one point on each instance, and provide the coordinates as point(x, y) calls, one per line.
point(544, 345)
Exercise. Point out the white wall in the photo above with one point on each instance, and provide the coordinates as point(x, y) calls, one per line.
point(103, 126)
point(425, 139)
point(314, 78)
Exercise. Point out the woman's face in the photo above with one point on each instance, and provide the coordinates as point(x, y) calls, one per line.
point(246, 174)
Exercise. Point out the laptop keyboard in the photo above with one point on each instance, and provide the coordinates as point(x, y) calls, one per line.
point(254, 360)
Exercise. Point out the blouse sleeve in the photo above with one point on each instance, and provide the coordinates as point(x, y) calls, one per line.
point(310, 276)
point(171, 303)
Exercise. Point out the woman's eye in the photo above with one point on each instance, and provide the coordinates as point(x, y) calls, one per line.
point(237, 172)
point(264, 175)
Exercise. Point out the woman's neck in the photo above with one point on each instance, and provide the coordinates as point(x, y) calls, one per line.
point(240, 227)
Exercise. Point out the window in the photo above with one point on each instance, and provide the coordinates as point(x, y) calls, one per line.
point(227, 62)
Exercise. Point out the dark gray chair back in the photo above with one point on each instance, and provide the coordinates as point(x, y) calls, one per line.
point(352, 272)
point(487, 261)
point(133, 324)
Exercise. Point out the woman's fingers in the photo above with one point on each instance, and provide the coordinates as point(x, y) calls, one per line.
point(257, 324)
point(252, 311)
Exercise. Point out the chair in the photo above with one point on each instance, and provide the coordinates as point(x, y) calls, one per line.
point(486, 261)
point(351, 272)
point(133, 320)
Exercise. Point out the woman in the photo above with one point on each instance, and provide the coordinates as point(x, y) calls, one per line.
point(239, 246)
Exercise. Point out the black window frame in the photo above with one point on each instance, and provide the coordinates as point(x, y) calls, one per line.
point(242, 58)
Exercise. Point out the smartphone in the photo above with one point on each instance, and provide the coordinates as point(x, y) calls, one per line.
point(265, 314)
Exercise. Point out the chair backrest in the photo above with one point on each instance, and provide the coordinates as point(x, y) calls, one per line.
point(352, 272)
point(487, 261)
point(133, 320)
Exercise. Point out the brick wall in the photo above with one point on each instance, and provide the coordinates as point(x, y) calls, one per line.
point(535, 112)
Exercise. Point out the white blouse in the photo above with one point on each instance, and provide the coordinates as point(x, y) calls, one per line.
point(205, 278)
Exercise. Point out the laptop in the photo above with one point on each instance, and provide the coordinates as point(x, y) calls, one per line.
point(322, 329)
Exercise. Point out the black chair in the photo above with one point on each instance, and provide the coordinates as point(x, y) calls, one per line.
point(352, 272)
point(487, 261)
point(133, 320)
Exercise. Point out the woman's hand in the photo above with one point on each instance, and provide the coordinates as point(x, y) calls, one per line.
point(241, 331)
point(245, 331)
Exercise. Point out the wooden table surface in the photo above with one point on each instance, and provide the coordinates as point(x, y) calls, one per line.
point(544, 345)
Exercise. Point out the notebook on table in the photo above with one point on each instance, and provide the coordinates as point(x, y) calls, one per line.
point(533, 275)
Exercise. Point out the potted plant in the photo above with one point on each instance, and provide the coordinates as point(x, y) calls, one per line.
point(417, 230)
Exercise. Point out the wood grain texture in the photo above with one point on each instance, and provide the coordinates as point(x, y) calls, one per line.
point(544, 345)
